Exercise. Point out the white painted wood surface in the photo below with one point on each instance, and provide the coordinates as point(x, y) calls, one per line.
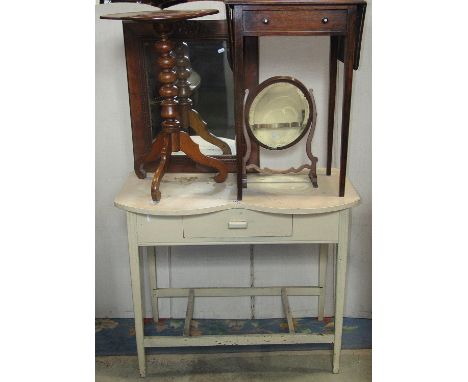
point(236, 292)
point(323, 262)
point(316, 228)
point(248, 339)
point(137, 295)
point(236, 223)
point(340, 285)
point(156, 234)
point(152, 276)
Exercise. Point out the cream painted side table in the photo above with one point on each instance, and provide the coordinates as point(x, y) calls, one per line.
point(275, 209)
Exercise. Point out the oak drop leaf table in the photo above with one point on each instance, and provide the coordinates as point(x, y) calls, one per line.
point(341, 20)
point(276, 209)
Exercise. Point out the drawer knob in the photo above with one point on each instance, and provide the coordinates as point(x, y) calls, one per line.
point(265, 21)
point(325, 20)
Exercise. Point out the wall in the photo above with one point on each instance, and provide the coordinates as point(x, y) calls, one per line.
point(305, 58)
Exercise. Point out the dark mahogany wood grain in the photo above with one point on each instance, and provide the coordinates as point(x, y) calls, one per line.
point(265, 21)
point(360, 15)
point(168, 3)
point(331, 99)
point(138, 97)
point(250, 82)
point(239, 70)
point(349, 50)
point(166, 15)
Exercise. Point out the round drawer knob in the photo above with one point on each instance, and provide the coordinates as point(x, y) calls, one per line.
point(325, 20)
point(265, 21)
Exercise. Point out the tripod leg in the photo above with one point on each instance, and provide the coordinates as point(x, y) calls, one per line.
point(153, 155)
point(159, 173)
point(191, 149)
point(199, 126)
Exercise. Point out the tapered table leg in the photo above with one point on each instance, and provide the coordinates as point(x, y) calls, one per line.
point(331, 99)
point(350, 42)
point(340, 283)
point(251, 76)
point(323, 260)
point(239, 94)
point(136, 290)
point(152, 275)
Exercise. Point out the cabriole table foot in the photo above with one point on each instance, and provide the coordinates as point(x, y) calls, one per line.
point(159, 173)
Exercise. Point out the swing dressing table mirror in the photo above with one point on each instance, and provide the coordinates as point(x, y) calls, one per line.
point(278, 113)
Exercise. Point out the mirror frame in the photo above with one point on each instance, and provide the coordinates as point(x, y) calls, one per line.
point(135, 36)
point(270, 81)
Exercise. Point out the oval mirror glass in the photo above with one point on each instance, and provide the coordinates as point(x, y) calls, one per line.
point(279, 112)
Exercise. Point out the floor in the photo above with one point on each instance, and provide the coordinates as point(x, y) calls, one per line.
point(294, 366)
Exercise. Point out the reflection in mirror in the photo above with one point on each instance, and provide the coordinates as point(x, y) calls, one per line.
point(279, 115)
point(212, 90)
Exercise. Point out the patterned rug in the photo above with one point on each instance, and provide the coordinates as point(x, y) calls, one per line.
point(116, 336)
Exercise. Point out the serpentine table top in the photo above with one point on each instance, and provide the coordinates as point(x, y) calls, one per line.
point(196, 193)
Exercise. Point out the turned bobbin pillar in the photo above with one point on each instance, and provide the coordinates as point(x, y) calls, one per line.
point(167, 77)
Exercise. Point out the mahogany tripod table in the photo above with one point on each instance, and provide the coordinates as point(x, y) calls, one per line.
point(171, 138)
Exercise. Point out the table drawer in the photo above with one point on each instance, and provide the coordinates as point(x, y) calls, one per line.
point(294, 21)
point(162, 229)
point(237, 223)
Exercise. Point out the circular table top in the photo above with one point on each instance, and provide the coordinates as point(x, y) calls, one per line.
point(165, 15)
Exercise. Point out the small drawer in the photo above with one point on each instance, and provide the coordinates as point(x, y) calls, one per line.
point(294, 21)
point(237, 223)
